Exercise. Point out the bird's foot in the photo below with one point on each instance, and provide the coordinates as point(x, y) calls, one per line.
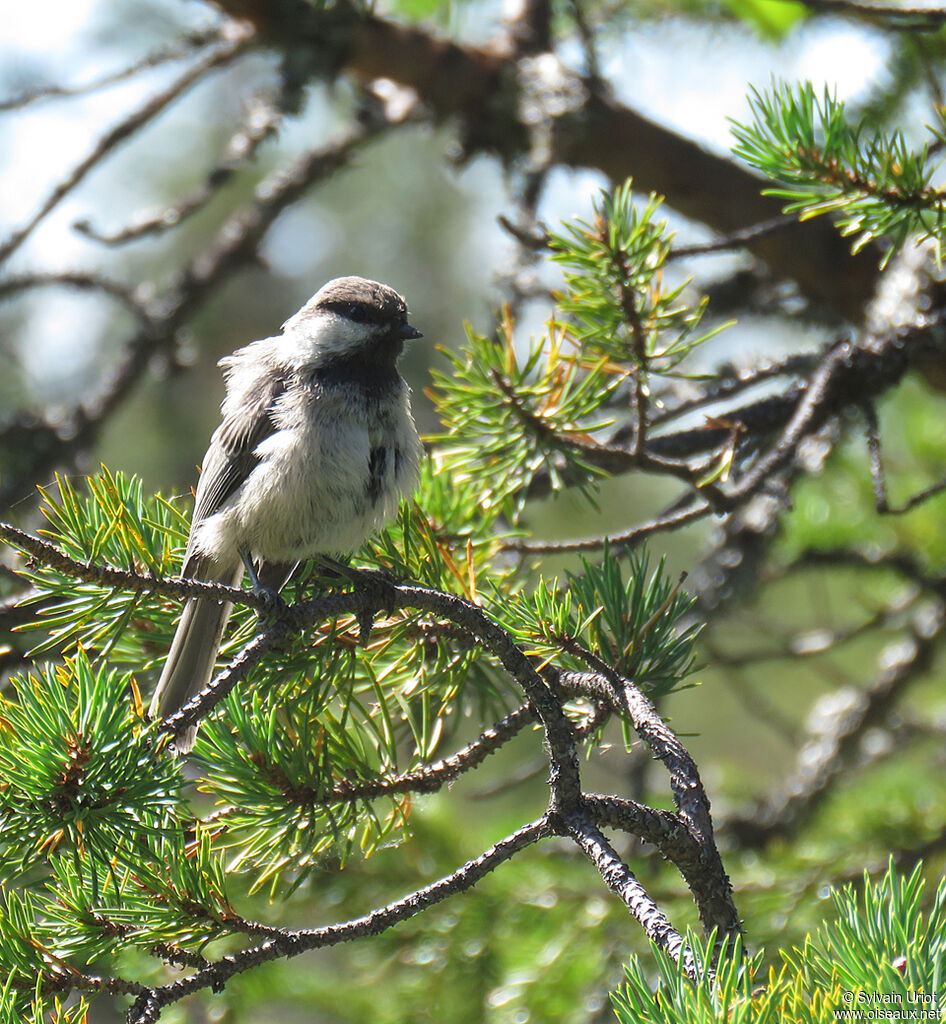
point(379, 583)
point(272, 604)
point(382, 586)
point(372, 579)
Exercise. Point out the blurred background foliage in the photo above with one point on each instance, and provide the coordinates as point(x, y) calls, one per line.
point(418, 207)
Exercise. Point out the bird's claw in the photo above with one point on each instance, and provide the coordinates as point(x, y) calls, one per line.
point(365, 625)
point(272, 603)
point(382, 584)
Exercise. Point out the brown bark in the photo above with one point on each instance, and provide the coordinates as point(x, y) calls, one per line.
point(478, 87)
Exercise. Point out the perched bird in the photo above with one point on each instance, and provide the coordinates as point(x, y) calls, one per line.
point(316, 448)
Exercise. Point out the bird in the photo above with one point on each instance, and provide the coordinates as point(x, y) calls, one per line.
point(314, 452)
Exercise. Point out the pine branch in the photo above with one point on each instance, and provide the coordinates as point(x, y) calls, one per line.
point(124, 579)
point(42, 446)
point(567, 813)
point(291, 943)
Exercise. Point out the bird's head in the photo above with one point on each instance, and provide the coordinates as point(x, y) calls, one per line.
point(352, 318)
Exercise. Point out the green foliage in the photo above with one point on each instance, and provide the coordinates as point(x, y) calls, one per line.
point(630, 620)
point(506, 417)
point(873, 183)
point(78, 771)
point(881, 943)
point(771, 18)
point(113, 861)
point(445, 538)
point(620, 306)
point(724, 996)
point(527, 941)
point(319, 710)
point(415, 10)
point(38, 1008)
point(881, 950)
point(100, 839)
point(90, 830)
point(115, 523)
point(175, 893)
point(21, 955)
point(511, 412)
point(272, 763)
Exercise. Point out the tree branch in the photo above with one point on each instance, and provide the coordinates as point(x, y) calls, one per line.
point(35, 449)
point(233, 41)
point(567, 808)
point(619, 877)
point(834, 743)
point(260, 124)
point(165, 55)
point(481, 87)
point(291, 943)
point(848, 373)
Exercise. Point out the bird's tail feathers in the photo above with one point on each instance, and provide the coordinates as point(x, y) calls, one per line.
point(193, 655)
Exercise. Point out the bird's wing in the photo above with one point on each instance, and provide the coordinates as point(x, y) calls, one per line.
point(231, 456)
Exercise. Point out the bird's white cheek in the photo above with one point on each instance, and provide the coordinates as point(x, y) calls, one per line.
point(327, 336)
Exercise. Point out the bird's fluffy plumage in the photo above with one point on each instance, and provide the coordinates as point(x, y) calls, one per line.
point(315, 450)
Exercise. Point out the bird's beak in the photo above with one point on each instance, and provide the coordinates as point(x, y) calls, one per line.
point(408, 333)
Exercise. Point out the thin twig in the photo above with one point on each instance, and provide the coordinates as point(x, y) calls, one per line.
point(563, 764)
point(124, 579)
point(260, 125)
point(674, 519)
point(431, 777)
point(238, 37)
point(291, 943)
point(165, 55)
point(589, 47)
point(813, 642)
point(848, 374)
point(729, 383)
point(806, 416)
point(426, 779)
point(61, 979)
point(82, 281)
point(735, 239)
point(878, 477)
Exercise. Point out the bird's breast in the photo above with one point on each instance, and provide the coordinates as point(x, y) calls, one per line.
point(329, 477)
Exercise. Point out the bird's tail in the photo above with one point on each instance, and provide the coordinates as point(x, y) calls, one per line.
point(190, 664)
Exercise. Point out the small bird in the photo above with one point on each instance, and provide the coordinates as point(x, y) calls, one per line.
point(316, 448)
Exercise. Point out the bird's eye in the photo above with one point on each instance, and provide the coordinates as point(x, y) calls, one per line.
point(357, 313)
